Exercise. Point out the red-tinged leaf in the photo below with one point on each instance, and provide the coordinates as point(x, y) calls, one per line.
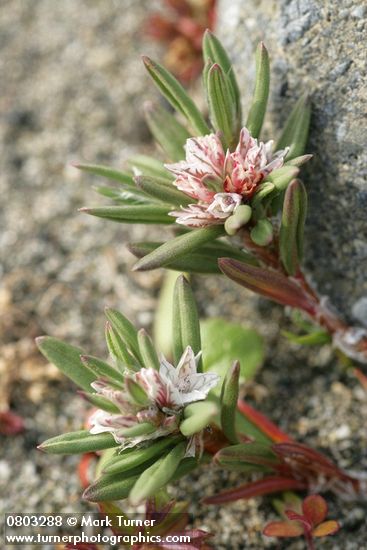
point(10, 423)
point(361, 377)
point(268, 283)
point(326, 528)
point(315, 509)
point(294, 516)
point(283, 529)
point(83, 469)
point(262, 422)
point(271, 484)
point(307, 457)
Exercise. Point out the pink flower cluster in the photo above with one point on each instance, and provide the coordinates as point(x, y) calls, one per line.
point(221, 181)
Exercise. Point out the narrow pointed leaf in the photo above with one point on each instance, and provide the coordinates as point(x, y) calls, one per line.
point(157, 475)
point(125, 329)
point(136, 392)
point(99, 402)
point(175, 94)
point(266, 486)
point(268, 283)
point(178, 247)
point(102, 370)
point(292, 226)
point(186, 325)
point(126, 461)
point(109, 488)
point(168, 132)
point(229, 397)
point(263, 423)
point(283, 529)
point(222, 109)
point(78, 442)
point(118, 349)
point(282, 177)
point(132, 214)
point(123, 196)
point(149, 166)
point(163, 318)
point(203, 260)
point(147, 350)
point(139, 429)
point(166, 194)
point(258, 454)
point(67, 359)
point(214, 52)
point(295, 132)
point(197, 416)
point(257, 110)
point(315, 338)
point(107, 172)
point(299, 161)
point(326, 528)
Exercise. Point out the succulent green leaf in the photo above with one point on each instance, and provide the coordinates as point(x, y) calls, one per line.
point(178, 247)
point(126, 331)
point(118, 350)
point(107, 172)
point(158, 475)
point(102, 370)
point(257, 110)
point(222, 108)
point(241, 217)
point(283, 176)
point(203, 260)
point(132, 214)
point(77, 443)
point(109, 488)
point(295, 132)
point(292, 226)
point(163, 318)
point(136, 392)
point(186, 325)
point(214, 52)
point(168, 132)
point(247, 457)
point(263, 190)
point(197, 416)
point(137, 456)
point(224, 342)
point(100, 402)
point(262, 233)
point(144, 428)
point(175, 94)
point(123, 196)
point(229, 398)
point(315, 338)
point(149, 166)
point(299, 161)
point(168, 195)
point(67, 359)
point(147, 350)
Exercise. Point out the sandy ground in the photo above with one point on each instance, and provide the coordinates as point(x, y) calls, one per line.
point(71, 89)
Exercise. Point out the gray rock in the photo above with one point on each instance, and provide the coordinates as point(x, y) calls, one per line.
point(317, 46)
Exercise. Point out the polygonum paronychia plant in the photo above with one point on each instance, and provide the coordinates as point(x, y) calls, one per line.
point(228, 195)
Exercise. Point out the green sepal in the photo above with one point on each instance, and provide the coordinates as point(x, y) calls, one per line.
point(228, 399)
point(175, 94)
point(132, 214)
point(257, 110)
point(222, 109)
point(102, 370)
point(197, 416)
point(178, 247)
point(295, 132)
point(158, 475)
point(214, 52)
point(78, 442)
point(168, 132)
point(292, 226)
point(147, 350)
point(164, 193)
point(67, 359)
point(262, 233)
point(137, 456)
point(186, 325)
point(107, 172)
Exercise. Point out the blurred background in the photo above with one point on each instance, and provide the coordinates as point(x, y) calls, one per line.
point(72, 87)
